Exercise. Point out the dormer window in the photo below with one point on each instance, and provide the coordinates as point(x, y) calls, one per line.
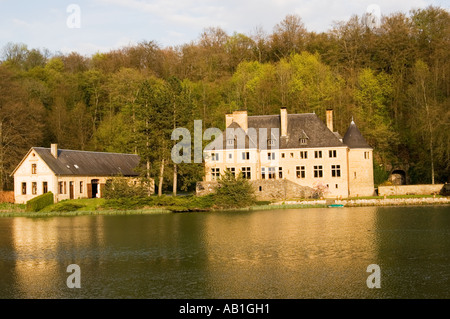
point(271, 142)
point(230, 142)
point(303, 139)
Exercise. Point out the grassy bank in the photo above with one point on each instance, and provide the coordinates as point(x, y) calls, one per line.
point(169, 204)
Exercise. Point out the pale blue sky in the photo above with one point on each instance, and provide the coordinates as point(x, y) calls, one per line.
point(110, 24)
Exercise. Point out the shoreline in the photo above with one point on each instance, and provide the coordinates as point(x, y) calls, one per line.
point(299, 204)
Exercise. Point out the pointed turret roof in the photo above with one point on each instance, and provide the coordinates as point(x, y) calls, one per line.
point(353, 137)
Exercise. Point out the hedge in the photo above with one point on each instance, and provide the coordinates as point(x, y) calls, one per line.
point(39, 202)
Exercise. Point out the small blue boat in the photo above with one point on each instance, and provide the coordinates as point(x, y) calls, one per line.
point(336, 205)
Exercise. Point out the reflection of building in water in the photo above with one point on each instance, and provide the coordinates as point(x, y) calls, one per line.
point(45, 247)
point(306, 253)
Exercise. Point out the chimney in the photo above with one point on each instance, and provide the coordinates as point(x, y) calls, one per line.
point(283, 117)
point(240, 117)
point(228, 119)
point(54, 150)
point(330, 119)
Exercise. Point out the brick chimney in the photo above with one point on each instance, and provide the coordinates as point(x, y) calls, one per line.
point(54, 150)
point(228, 119)
point(330, 119)
point(284, 121)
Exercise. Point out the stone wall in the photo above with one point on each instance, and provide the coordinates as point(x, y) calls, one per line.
point(427, 189)
point(273, 189)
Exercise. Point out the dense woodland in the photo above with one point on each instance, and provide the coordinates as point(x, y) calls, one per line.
point(393, 80)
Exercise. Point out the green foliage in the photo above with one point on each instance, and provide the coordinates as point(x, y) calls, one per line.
point(380, 175)
point(178, 203)
point(66, 206)
point(123, 187)
point(394, 81)
point(233, 192)
point(39, 202)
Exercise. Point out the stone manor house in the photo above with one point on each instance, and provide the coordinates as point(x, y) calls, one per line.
point(289, 155)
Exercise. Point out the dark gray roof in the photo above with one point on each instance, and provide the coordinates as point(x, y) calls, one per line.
point(307, 125)
point(353, 137)
point(84, 163)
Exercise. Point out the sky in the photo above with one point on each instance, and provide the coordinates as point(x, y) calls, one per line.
point(90, 26)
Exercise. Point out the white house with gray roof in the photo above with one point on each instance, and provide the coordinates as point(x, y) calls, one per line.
point(69, 174)
point(299, 148)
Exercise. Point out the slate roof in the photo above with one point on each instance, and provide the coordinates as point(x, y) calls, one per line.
point(307, 125)
point(82, 163)
point(353, 137)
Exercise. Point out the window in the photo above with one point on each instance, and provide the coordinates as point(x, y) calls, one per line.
point(263, 172)
point(332, 153)
point(33, 168)
point(246, 173)
point(354, 173)
point(291, 155)
point(24, 188)
point(215, 173)
point(304, 154)
point(280, 172)
point(34, 188)
point(335, 170)
point(303, 141)
point(232, 170)
point(60, 187)
point(230, 156)
point(271, 156)
point(44, 187)
point(366, 155)
point(81, 187)
point(65, 187)
point(214, 156)
point(300, 171)
point(318, 154)
point(271, 173)
point(318, 171)
point(272, 142)
point(283, 155)
point(230, 142)
point(245, 155)
point(337, 186)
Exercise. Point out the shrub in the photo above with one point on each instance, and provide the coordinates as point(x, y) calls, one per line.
point(233, 192)
point(39, 202)
point(121, 187)
point(66, 207)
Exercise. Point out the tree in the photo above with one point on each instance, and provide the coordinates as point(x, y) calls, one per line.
point(233, 192)
point(288, 37)
point(20, 125)
point(373, 95)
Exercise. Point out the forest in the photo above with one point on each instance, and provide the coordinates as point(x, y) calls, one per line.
point(394, 81)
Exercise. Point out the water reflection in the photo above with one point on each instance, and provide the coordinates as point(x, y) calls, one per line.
point(414, 250)
point(289, 253)
point(306, 253)
point(45, 247)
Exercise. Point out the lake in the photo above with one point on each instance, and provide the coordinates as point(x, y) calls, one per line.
point(283, 254)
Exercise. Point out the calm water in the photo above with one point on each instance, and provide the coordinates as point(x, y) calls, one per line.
point(307, 253)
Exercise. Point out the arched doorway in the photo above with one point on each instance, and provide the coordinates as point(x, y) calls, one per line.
point(398, 177)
